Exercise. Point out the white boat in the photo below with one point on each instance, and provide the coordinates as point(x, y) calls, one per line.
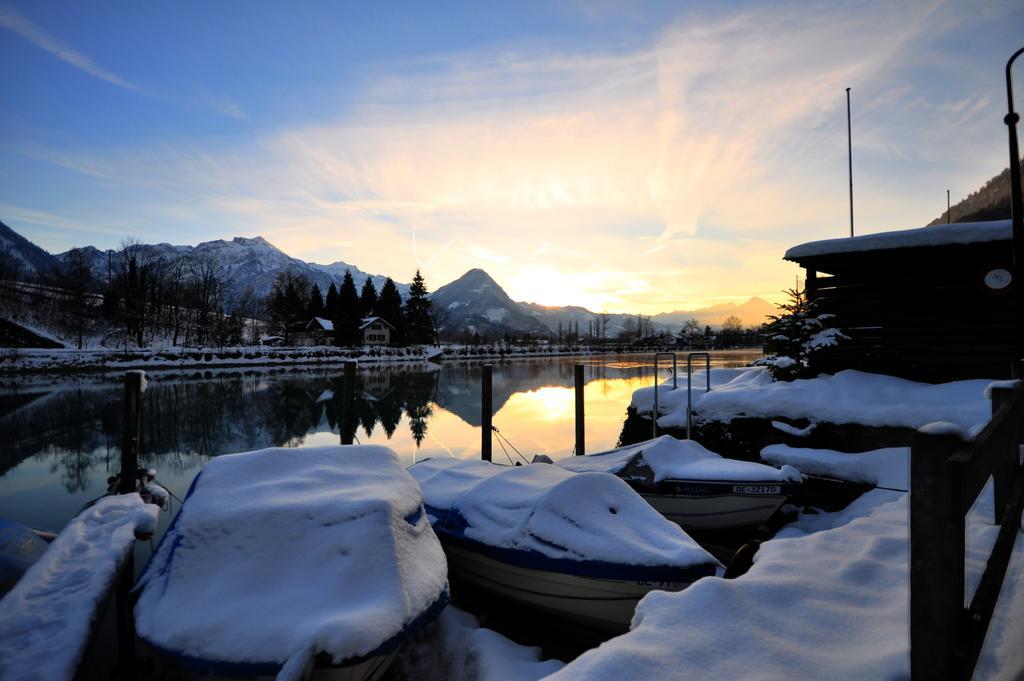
point(581, 546)
point(293, 564)
point(694, 487)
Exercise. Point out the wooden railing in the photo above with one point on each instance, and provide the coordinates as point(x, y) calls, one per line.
point(947, 475)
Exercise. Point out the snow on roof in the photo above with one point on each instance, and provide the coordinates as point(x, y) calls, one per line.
point(847, 397)
point(551, 511)
point(46, 619)
point(937, 235)
point(370, 320)
point(286, 552)
point(672, 459)
point(325, 324)
point(826, 599)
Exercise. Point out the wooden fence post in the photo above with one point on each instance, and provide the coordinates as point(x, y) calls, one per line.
point(1002, 475)
point(348, 401)
point(485, 413)
point(581, 446)
point(936, 557)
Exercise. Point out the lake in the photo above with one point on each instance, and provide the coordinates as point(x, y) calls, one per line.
point(61, 435)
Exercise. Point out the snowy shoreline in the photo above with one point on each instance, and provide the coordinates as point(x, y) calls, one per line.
point(14, 361)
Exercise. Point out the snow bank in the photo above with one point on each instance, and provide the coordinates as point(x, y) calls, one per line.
point(46, 619)
point(827, 598)
point(551, 511)
point(282, 553)
point(456, 648)
point(938, 235)
point(672, 459)
point(889, 467)
point(847, 397)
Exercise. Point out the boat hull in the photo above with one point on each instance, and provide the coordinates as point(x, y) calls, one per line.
point(715, 512)
point(606, 604)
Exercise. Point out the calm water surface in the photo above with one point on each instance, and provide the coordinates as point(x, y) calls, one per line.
point(59, 437)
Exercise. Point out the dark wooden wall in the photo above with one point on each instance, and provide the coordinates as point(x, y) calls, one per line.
point(923, 313)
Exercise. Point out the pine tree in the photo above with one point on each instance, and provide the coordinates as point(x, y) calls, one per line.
point(418, 327)
point(389, 307)
point(316, 302)
point(331, 302)
point(795, 337)
point(347, 318)
point(368, 299)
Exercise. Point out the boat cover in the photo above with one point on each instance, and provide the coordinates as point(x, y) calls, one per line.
point(671, 459)
point(284, 555)
point(548, 518)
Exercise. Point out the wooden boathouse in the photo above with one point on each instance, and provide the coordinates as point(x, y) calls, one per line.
point(931, 304)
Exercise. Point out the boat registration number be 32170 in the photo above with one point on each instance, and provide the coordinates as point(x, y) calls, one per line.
point(757, 489)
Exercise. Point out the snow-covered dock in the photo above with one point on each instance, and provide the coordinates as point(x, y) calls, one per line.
point(47, 618)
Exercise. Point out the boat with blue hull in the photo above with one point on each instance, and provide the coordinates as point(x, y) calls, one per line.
point(694, 487)
point(583, 547)
point(293, 564)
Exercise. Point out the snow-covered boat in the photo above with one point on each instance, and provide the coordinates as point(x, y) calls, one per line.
point(582, 546)
point(693, 486)
point(283, 561)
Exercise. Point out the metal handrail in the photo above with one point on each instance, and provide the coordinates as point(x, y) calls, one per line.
point(675, 384)
point(689, 385)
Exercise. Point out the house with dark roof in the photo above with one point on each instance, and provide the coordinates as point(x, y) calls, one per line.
point(934, 303)
point(376, 331)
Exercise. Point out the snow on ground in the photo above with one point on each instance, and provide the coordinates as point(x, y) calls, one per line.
point(888, 467)
point(46, 619)
point(456, 648)
point(826, 598)
point(846, 397)
point(281, 553)
point(549, 510)
point(936, 235)
point(672, 459)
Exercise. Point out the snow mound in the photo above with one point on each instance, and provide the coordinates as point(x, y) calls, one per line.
point(826, 599)
point(889, 467)
point(45, 620)
point(672, 399)
point(282, 553)
point(847, 397)
point(551, 511)
point(672, 459)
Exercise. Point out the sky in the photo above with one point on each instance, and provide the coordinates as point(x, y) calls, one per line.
point(624, 156)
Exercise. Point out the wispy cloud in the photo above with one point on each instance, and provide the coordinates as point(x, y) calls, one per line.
point(14, 21)
point(707, 150)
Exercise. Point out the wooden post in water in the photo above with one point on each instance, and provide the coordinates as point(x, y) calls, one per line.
point(348, 401)
point(936, 556)
point(130, 432)
point(581, 447)
point(127, 485)
point(485, 413)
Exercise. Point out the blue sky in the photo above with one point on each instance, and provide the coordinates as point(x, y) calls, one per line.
point(624, 156)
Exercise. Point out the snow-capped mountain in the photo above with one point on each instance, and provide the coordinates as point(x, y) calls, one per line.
point(246, 263)
point(474, 303)
point(571, 317)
